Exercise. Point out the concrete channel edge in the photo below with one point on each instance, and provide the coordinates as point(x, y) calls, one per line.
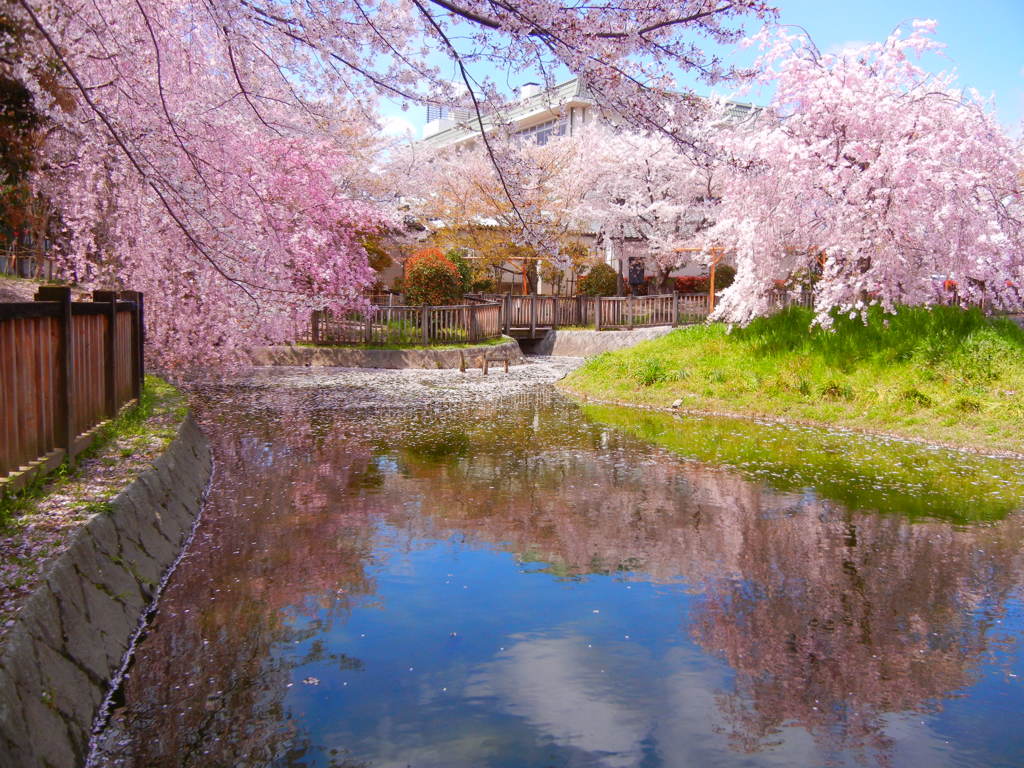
point(72, 635)
point(357, 357)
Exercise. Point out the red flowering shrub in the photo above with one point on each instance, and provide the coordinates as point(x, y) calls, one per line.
point(724, 277)
point(431, 278)
point(692, 284)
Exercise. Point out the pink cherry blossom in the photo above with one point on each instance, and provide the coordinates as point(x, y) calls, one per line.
point(887, 179)
point(219, 155)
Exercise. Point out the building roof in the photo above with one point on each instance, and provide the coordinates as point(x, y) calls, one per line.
point(519, 113)
point(539, 107)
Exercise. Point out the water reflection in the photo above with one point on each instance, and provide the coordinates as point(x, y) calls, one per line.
point(519, 585)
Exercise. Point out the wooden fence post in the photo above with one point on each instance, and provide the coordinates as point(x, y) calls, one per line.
point(110, 362)
point(533, 315)
point(629, 312)
point(368, 325)
point(675, 308)
point(579, 310)
point(64, 421)
point(136, 297)
point(424, 320)
point(597, 313)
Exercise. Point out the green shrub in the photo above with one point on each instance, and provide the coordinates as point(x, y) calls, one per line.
point(725, 275)
point(431, 278)
point(967, 405)
point(402, 332)
point(601, 280)
point(457, 256)
point(984, 356)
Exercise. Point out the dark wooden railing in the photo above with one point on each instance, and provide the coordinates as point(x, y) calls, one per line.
point(31, 265)
point(405, 325)
point(65, 368)
point(532, 312)
point(605, 312)
point(489, 315)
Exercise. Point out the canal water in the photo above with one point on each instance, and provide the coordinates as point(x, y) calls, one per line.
point(515, 580)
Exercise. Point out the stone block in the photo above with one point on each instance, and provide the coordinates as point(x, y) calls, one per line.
point(67, 687)
point(12, 714)
point(147, 570)
point(135, 497)
point(40, 617)
point(103, 532)
point(155, 543)
point(50, 740)
point(110, 631)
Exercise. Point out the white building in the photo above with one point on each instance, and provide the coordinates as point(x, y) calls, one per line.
point(560, 111)
point(539, 115)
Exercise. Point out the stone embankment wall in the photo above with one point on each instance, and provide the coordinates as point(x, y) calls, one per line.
point(72, 635)
point(590, 343)
point(357, 357)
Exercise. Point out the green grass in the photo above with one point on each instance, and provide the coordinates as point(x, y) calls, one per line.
point(944, 374)
point(134, 430)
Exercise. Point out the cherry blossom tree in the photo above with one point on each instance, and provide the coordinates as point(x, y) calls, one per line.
point(885, 178)
point(460, 190)
point(159, 118)
point(649, 188)
point(233, 210)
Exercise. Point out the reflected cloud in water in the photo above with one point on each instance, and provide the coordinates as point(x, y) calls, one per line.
point(517, 585)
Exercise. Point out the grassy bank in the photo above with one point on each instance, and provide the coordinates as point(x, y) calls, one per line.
point(38, 522)
point(942, 375)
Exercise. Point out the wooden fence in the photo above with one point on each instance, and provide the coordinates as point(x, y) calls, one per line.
point(490, 315)
point(405, 325)
point(605, 312)
point(65, 368)
point(30, 265)
point(533, 312)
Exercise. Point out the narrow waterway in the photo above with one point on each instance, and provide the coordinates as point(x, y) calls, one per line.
point(393, 573)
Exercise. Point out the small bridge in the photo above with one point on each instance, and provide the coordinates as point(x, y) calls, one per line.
point(532, 316)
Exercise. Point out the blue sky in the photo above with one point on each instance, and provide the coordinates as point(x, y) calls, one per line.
point(984, 44)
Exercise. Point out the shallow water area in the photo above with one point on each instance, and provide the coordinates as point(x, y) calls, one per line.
point(437, 569)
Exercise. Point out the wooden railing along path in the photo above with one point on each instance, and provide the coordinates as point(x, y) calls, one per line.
point(65, 368)
point(490, 315)
point(535, 313)
point(29, 265)
point(405, 325)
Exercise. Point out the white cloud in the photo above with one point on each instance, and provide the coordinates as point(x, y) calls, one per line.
point(846, 47)
point(398, 127)
point(561, 688)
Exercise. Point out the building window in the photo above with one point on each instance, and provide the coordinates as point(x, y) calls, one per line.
point(542, 132)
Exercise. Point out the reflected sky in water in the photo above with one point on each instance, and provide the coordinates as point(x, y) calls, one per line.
point(528, 584)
